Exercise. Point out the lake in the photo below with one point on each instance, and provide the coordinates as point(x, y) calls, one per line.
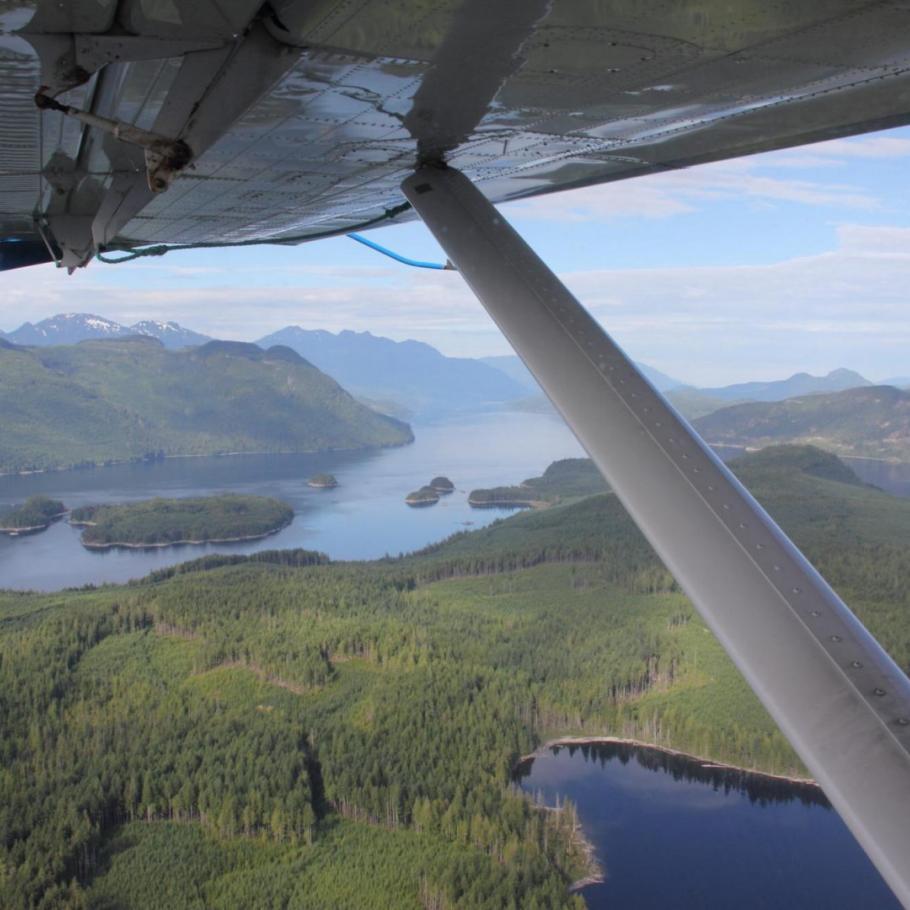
point(363, 518)
point(671, 832)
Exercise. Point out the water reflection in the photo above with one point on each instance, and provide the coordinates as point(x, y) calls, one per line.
point(671, 831)
point(759, 789)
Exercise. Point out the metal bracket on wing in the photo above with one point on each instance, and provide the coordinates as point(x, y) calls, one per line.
point(164, 158)
point(215, 83)
point(838, 697)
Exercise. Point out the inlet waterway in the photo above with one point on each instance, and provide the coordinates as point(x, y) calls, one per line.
point(364, 517)
point(670, 831)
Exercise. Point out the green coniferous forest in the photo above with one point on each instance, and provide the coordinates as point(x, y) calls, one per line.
point(36, 512)
point(130, 398)
point(160, 522)
point(283, 731)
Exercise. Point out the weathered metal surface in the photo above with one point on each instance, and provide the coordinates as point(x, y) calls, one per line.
point(589, 92)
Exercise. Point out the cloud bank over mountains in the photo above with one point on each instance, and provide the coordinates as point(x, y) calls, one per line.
point(835, 296)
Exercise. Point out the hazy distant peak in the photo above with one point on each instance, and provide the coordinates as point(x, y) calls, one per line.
point(838, 380)
point(410, 375)
point(66, 328)
point(131, 338)
point(71, 328)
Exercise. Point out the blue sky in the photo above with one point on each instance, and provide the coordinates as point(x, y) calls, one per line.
point(747, 269)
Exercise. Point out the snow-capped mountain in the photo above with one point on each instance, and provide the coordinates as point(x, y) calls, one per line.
point(70, 328)
point(67, 328)
point(170, 334)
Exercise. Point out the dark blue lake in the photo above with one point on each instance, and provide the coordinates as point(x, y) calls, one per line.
point(672, 832)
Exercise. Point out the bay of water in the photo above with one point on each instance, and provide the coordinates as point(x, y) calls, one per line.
point(363, 518)
point(671, 832)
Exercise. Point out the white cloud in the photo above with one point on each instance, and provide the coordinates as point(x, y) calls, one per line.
point(710, 325)
point(872, 146)
point(664, 195)
point(845, 307)
point(753, 178)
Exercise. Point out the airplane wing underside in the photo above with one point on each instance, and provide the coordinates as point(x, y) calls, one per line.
point(300, 119)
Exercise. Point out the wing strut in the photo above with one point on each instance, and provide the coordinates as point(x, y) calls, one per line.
point(835, 693)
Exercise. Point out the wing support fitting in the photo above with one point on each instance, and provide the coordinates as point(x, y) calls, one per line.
point(164, 158)
point(835, 693)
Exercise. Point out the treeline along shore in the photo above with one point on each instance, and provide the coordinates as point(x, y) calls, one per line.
point(224, 518)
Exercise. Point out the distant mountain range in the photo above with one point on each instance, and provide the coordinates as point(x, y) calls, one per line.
point(408, 375)
point(414, 380)
point(798, 384)
point(872, 421)
point(70, 328)
point(128, 398)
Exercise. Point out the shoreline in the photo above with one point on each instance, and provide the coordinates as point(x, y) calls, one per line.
point(705, 762)
point(33, 529)
point(118, 545)
point(595, 874)
point(508, 504)
point(95, 465)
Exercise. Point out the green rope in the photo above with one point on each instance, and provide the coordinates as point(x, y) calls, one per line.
point(160, 249)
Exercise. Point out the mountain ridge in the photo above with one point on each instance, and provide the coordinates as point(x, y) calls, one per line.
point(410, 373)
point(119, 399)
point(872, 421)
point(71, 328)
point(802, 383)
point(413, 378)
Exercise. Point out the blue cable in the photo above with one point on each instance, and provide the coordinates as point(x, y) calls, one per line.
point(418, 264)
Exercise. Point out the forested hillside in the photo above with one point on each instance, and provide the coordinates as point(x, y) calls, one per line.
point(873, 421)
point(119, 399)
point(282, 731)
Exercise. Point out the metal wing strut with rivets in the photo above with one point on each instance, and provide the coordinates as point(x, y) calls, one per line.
point(839, 698)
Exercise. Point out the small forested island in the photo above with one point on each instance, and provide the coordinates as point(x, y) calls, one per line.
point(224, 518)
point(35, 514)
point(425, 496)
point(442, 485)
point(322, 482)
